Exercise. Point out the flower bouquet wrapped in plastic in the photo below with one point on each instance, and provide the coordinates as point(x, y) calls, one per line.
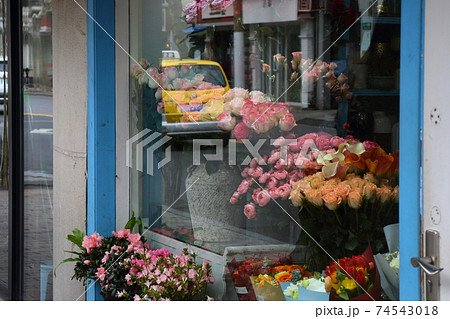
point(354, 279)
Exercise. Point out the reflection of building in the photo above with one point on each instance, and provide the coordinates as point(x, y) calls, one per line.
point(37, 53)
point(108, 119)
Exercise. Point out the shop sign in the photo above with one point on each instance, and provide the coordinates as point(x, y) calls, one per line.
point(216, 14)
point(305, 6)
point(267, 11)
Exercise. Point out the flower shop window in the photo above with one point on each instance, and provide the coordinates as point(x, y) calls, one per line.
point(264, 134)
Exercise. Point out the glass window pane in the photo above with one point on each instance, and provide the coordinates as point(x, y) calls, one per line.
point(3, 152)
point(265, 130)
point(38, 149)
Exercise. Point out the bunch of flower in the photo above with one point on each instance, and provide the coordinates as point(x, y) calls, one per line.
point(256, 112)
point(286, 273)
point(161, 275)
point(194, 8)
point(346, 210)
point(310, 72)
point(127, 269)
point(350, 277)
point(101, 259)
point(272, 176)
point(353, 191)
point(242, 271)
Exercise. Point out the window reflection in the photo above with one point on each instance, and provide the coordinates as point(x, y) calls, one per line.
point(306, 89)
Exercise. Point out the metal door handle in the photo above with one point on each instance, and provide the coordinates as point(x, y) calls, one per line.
point(426, 264)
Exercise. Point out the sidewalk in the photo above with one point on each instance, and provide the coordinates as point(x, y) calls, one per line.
point(38, 227)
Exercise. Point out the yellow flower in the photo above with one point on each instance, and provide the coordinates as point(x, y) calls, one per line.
point(349, 284)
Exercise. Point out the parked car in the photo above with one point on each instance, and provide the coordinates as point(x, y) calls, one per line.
point(191, 88)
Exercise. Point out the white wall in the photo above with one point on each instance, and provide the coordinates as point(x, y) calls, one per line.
point(436, 119)
point(69, 152)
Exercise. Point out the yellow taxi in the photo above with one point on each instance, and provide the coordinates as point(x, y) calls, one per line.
point(193, 90)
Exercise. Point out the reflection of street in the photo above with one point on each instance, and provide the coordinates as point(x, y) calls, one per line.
point(38, 223)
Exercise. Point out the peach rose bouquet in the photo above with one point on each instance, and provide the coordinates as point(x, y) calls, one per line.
point(344, 212)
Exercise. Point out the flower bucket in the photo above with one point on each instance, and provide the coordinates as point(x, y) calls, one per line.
point(212, 215)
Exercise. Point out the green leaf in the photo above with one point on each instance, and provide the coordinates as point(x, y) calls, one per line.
point(351, 244)
point(73, 252)
point(76, 238)
point(132, 222)
point(63, 262)
point(344, 295)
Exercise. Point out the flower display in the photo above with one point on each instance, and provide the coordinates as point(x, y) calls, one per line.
point(254, 113)
point(260, 269)
point(273, 176)
point(307, 71)
point(161, 275)
point(350, 278)
point(127, 269)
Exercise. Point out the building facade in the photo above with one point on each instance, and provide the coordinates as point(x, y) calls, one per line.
point(114, 129)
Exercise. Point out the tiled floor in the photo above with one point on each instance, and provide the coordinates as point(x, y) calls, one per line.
point(38, 238)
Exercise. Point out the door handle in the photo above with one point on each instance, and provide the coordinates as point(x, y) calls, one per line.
point(430, 265)
point(427, 265)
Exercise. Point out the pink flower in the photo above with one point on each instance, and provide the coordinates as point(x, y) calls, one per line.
point(121, 233)
point(106, 257)
point(91, 242)
point(274, 157)
point(244, 172)
point(192, 273)
point(280, 175)
point(171, 72)
point(87, 262)
point(278, 58)
point(100, 274)
point(274, 193)
point(137, 298)
point(335, 141)
point(134, 238)
point(287, 122)
point(368, 145)
point(226, 121)
point(265, 68)
point(264, 177)
point(250, 211)
point(241, 131)
point(284, 191)
point(273, 182)
point(297, 56)
point(236, 105)
point(234, 198)
point(255, 195)
point(263, 198)
point(323, 143)
point(257, 172)
point(263, 123)
point(341, 78)
point(243, 187)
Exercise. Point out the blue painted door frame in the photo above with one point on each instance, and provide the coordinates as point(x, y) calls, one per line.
point(101, 129)
point(411, 110)
point(101, 132)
